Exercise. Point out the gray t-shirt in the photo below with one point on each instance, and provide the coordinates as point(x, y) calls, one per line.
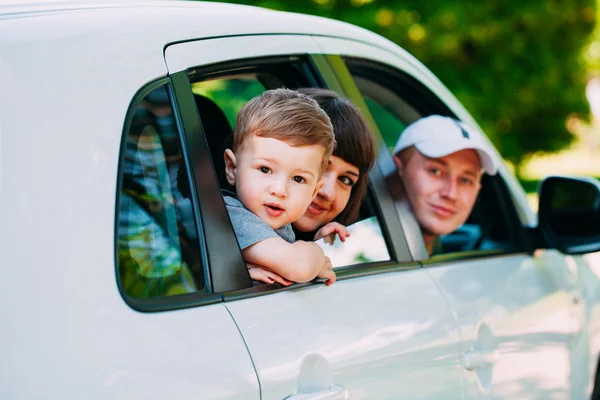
point(249, 228)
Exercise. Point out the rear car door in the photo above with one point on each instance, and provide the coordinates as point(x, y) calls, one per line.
point(102, 276)
point(176, 339)
point(520, 314)
point(383, 330)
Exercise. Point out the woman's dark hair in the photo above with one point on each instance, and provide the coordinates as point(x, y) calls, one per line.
point(354, 144)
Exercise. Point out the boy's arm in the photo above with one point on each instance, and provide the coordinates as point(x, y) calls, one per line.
point(261, 274)
point(299, 261)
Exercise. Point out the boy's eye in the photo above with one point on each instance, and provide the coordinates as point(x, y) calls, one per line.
point(265, 170)
point(346, 181)
point(298, 179)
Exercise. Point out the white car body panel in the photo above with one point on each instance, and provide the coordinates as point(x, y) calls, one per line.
point(66, 331)
point(526, 302)
point(379, 346)
point(68, 74)
point(588, 274)
point(582, 351)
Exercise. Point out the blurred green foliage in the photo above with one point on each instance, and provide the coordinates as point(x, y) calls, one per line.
point(140, 286)
point(517, 66)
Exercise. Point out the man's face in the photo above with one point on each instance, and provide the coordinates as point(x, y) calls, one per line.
point(274, 180)
point(442, 191)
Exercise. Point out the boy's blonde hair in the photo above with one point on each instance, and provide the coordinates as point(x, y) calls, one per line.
point(285, 115)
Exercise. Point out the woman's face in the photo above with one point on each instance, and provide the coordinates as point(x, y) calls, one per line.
point(340, 177)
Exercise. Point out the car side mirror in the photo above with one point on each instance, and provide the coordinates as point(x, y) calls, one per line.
point(569, 214)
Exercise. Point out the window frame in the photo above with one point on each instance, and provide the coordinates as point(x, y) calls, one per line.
point(159, 303)
point(231, 273)
point(338, 78)
point(427, 103)
point(229, 280)
point(317, 72)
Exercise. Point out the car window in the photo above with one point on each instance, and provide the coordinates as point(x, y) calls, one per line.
point(157, 240)
point(395, 100)
point(219, 98)
point(390, 111)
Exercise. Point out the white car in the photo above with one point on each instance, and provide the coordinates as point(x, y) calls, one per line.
point(123, 278)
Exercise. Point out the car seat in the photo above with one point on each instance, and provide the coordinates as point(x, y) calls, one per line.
point(219, 136)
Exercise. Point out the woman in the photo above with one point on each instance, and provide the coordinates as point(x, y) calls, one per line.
point(338, 202)
point(347, 174)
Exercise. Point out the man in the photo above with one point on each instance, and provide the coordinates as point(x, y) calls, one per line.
point(441, 162)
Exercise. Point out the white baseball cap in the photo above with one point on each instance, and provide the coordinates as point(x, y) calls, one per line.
point(437, 136)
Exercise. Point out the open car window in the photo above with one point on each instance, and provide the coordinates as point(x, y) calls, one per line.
point(221, 92)
point(396, 100)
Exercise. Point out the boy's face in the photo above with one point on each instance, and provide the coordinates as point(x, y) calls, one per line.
point(442, 191)
point(274, 180)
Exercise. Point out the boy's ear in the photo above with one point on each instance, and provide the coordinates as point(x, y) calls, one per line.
point(230, 166)
point(318, 186)
point(399, 165)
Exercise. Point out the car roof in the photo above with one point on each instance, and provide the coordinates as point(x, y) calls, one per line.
point(19, 8)
point(181, 20)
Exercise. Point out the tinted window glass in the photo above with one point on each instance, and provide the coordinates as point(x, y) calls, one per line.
point(391, 112)
point(158, 250)
point(389, 125)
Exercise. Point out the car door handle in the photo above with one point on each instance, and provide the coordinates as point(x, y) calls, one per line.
point(333, 393)
point(474, 359)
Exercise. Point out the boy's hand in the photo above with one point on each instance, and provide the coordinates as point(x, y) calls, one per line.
point(327, 272)
point(261, 274)
point(329, 231)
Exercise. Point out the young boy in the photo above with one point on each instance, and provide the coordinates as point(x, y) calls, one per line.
point(281, 146)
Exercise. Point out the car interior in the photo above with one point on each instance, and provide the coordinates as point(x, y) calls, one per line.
point(214, 98)
point(219, 96)
point(492, 223)
point(218, 130)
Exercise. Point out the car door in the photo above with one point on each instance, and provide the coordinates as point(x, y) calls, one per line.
point(171, 337)
point(76, 322)
point(519, 311)
point(383, 330)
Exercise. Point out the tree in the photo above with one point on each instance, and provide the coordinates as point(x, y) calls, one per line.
point(516, 66)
